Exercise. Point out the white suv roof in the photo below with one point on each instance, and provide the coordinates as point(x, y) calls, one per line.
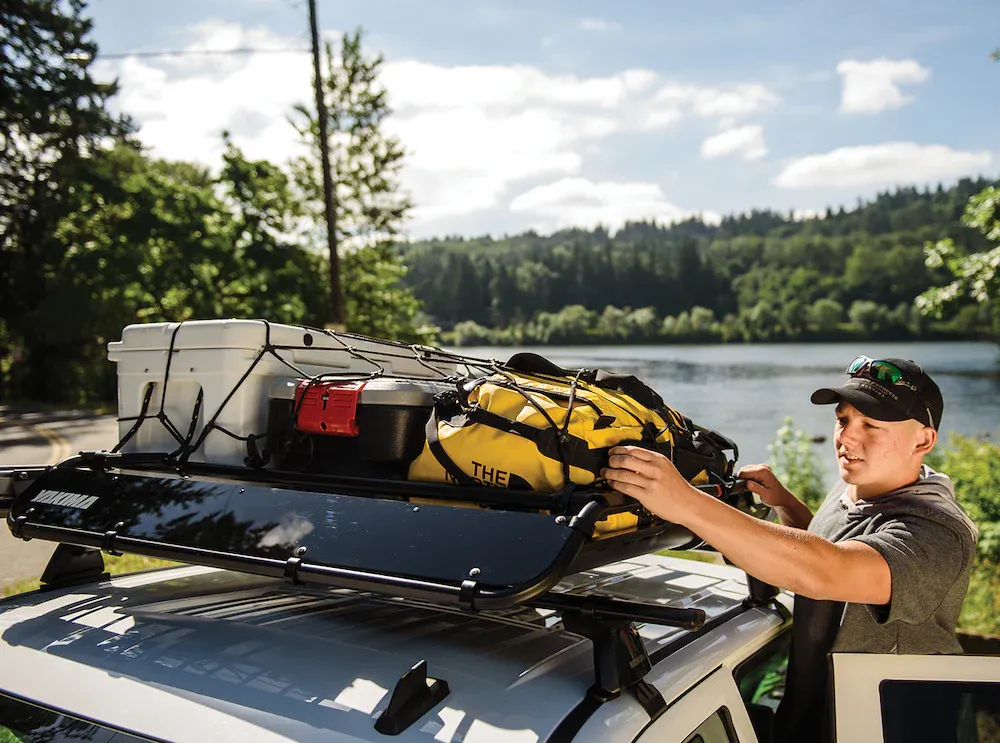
point(196, 653)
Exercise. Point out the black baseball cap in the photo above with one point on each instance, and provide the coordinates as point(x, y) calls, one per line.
point(915, 396)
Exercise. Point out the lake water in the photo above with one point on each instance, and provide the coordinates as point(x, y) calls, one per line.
point(746, 391)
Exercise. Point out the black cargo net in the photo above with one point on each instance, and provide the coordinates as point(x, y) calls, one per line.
point(187, 444)
point(468, 372)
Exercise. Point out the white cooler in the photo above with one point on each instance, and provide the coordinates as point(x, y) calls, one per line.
point(212, 356)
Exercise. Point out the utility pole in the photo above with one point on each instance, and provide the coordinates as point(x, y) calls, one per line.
point(339, 311)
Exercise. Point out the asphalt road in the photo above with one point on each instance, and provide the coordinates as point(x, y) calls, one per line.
point(44, 438)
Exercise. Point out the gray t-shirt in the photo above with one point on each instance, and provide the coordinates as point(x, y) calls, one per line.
point(929, 544)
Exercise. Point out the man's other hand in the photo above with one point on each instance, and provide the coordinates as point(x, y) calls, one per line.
point(763, 483)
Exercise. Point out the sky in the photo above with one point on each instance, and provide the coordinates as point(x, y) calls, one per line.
point(540, 115)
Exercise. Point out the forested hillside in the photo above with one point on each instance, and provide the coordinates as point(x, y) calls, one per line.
point(756, 276)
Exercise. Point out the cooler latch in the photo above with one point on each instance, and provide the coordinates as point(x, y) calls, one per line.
point(328, 407)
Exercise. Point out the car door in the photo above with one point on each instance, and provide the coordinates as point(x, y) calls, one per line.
point(916, 698)
point(711, 712)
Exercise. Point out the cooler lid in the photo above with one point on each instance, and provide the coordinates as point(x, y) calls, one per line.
point(196, 334)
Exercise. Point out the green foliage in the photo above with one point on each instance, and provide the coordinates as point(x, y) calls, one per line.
point(52, 116)
point(376, 304)
point(824, 315)
point(795, 463)
point(866, 316)
point(275, 275)
point(981, 609)
point(370, 208)
point(973, 464)
point(471, 333)
point(975, 275)
point(762, 276)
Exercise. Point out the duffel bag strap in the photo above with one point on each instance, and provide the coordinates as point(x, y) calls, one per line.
point(558, 445)
point(434, 444)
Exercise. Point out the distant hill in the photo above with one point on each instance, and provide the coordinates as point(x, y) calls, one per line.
point(755, 276)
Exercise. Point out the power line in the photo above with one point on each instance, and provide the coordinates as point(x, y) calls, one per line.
point(186, 52)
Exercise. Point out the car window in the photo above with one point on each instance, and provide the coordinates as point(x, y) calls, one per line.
point(761, 678)
point(716, 729)
point(22, 722)
point(940, 711)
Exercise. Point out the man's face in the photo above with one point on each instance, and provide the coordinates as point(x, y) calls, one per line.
point(878, 456)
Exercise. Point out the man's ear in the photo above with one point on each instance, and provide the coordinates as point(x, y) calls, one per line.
point(926, 440)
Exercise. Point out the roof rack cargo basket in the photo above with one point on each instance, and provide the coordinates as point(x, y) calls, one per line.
point(405, 539)
point(475, 548)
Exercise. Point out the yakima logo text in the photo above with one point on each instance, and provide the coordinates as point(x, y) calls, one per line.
point(67, 500)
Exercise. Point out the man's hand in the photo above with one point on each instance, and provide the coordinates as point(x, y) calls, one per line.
point(651, 479)
point(765, 485)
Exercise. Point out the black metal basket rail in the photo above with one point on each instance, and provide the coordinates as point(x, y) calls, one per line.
point(374, 535)
point(395, 538)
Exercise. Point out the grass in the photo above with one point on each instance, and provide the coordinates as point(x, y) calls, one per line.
point(114, 565)
point(696, 555)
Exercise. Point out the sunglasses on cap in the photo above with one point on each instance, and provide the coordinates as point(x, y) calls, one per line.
point(886, 373)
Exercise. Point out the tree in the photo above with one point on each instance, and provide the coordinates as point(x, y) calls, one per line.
point(643, 323)
point(370, 207)
point(867, 316)
point(53, 117)
point(976, 275)
point(824, 315)
point(702, 321)
point(470, 333)
point(613, 322)
point(274, 275)
point(140, 241)
point(570, 325)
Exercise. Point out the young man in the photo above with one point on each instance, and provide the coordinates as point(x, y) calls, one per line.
point(884, 564)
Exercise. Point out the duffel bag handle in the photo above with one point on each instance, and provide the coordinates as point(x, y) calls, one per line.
point(532, 363)
point(628, 384)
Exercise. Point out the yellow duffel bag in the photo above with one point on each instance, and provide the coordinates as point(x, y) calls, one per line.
point(534, 426)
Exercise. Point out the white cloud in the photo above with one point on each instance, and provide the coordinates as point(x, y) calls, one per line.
point(881, 164)
point(599, 24)
point(873, 86)
point(421, 85)
point(462, 160)
point(579, 202)
point(653, 120)
point(718, 101)
point(473, 134)
point(184, 103)
point(745, 140)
